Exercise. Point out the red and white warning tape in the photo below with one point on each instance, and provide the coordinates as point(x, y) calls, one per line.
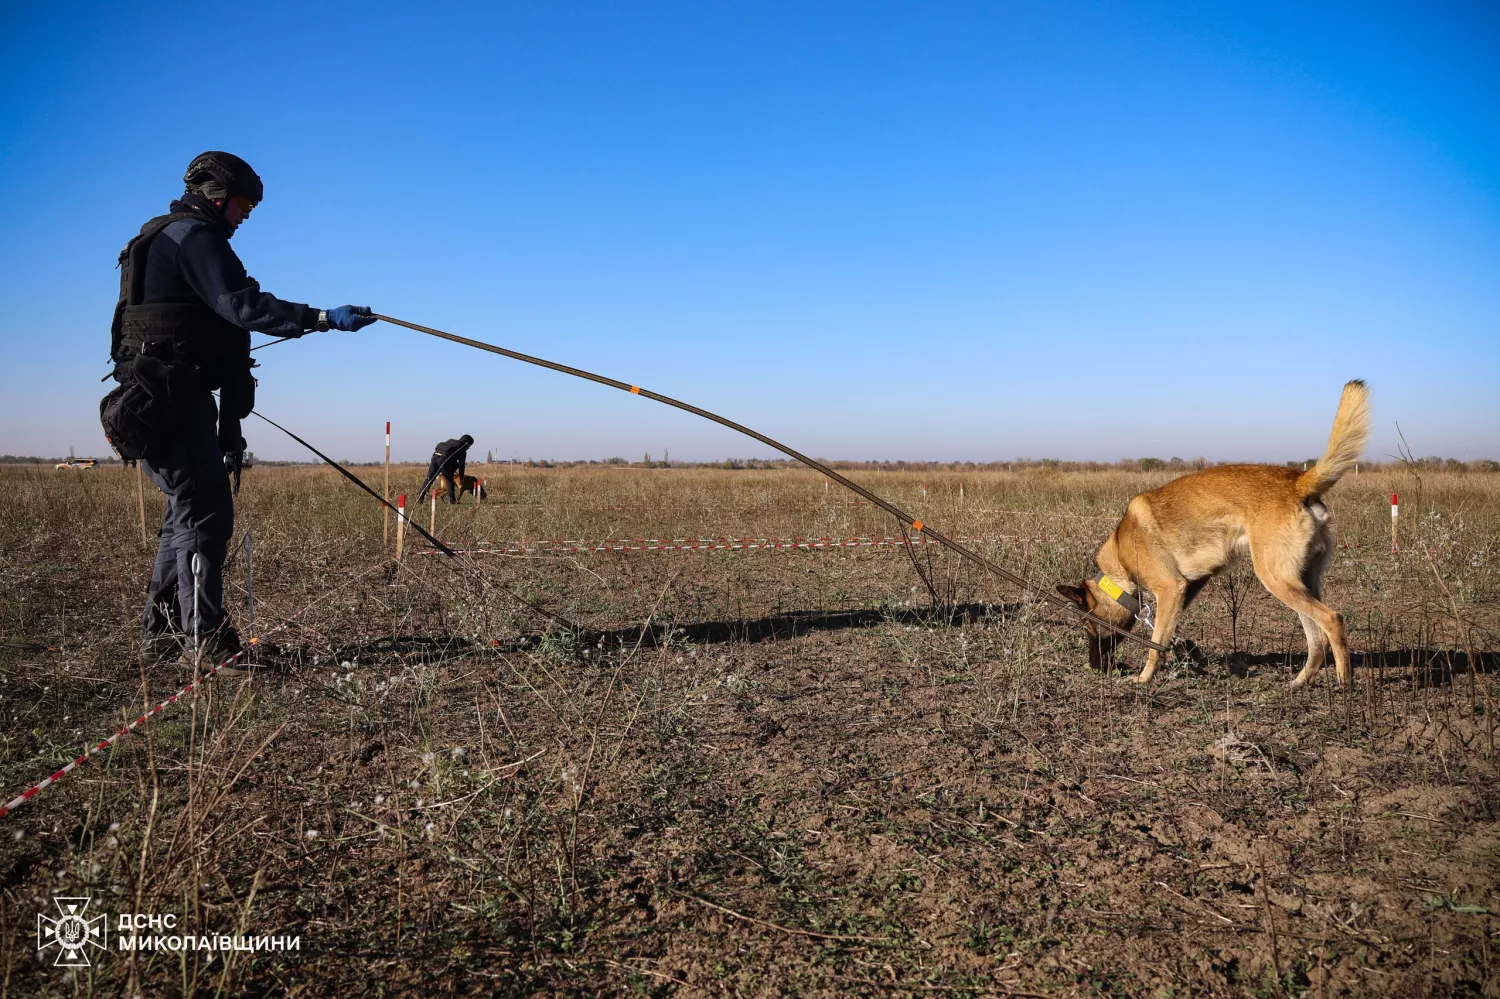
point(41, 786)
point(197, 681)
point(707, 544)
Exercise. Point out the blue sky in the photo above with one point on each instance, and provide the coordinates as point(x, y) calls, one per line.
point(945, 231)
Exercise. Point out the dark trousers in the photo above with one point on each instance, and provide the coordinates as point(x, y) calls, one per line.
point(447, 469)
point(199, 521)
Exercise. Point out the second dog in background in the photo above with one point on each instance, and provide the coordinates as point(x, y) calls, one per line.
point(466, 485)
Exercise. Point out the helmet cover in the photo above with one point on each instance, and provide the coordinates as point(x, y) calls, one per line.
point(218, 175)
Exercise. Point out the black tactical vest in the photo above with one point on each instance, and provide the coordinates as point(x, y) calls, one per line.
point(166, 356)
point(175, 332)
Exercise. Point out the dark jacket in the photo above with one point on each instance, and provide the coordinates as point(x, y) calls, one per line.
point(451, 456)
point(192, 261)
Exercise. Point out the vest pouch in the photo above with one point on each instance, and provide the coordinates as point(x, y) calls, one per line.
point(178, 383)
point(141, 416)
point(237, 397)
point(132, 421)
point(122, 431)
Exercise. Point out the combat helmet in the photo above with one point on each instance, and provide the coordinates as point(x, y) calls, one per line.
point(217, 175)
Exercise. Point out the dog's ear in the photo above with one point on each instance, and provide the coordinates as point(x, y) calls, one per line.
point(1077, 594)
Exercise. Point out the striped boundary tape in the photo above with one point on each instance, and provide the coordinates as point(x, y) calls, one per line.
point(41, 786)
point(701, 544)
point(197, 681)
point(728, 544)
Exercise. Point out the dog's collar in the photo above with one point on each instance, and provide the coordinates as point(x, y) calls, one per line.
point(1118, 594)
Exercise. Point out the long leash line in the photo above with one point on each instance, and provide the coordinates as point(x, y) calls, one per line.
point(901, 516)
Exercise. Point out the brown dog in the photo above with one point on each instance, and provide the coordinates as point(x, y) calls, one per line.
point(466, 484)
point(1173, 540)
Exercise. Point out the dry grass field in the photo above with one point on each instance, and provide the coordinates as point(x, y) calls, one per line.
point(779, 772)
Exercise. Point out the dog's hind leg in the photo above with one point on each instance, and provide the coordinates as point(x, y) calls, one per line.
point(1317, 641)
point(1295, 595)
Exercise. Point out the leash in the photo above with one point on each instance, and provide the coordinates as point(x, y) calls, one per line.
point(901, 516)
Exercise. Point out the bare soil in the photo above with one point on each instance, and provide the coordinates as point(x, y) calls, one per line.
point(761, 773)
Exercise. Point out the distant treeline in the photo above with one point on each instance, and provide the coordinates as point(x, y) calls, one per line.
point(1432, 464)
point(1015, 465)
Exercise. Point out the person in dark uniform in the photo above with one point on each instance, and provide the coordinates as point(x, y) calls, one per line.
point(181, 330)
point(448, 460)
point(234, 464)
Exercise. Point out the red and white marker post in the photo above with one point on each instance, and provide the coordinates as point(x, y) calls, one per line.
point(385, 537)
point(400, 523)
point(432, 521)
point(1395, 515)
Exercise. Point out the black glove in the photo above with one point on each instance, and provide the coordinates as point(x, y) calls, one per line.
point(350, 317)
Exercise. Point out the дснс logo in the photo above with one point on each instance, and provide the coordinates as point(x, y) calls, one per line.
point(72, 933)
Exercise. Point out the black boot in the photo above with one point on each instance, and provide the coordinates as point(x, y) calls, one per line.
point(158, 647)
point(217, 648)
point(161, 634)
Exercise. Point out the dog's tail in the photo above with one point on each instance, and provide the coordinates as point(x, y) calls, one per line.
point(1351, 427)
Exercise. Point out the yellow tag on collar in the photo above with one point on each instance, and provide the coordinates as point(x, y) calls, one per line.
point(1111, 587)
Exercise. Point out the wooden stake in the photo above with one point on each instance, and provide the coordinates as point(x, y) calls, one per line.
point(400, 523)
point(1395, 514)
point(140, 500)
point(432, 524)
point(385, 537)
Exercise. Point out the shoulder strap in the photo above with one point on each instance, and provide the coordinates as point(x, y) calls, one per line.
point(132, 265)
point(133, 257)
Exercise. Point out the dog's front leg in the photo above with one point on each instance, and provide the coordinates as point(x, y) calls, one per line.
point(1169, 602)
